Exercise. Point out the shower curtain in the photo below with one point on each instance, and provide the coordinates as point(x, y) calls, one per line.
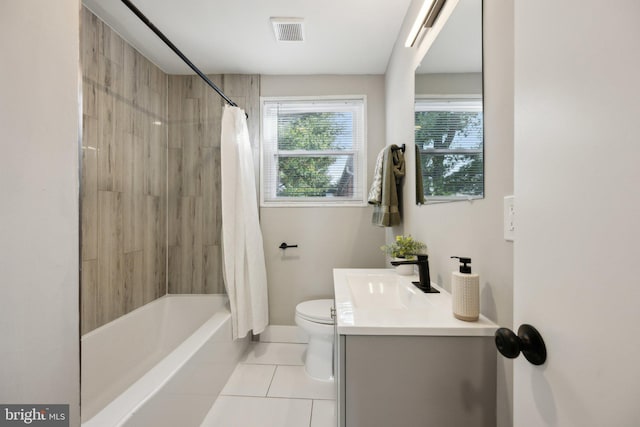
point(244, 271)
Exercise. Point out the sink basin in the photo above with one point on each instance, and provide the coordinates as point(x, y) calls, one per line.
point(382, 291)
point(377, 301)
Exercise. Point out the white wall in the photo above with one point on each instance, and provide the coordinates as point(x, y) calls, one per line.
point(328, 236)
point(39, 120)
point(449, 84)
point(464, 228)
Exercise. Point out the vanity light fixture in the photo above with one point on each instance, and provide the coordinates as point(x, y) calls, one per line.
point(426, 17)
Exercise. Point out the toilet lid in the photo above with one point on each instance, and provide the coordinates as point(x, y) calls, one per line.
point(318, 310)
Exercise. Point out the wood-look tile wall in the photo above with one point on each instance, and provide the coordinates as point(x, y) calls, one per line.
point(123, 181)
point(195, 111)
point(150, 163)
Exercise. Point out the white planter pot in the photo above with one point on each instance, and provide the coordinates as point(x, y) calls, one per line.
point(404, 269)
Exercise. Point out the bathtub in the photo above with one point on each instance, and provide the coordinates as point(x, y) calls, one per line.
point(162, 364)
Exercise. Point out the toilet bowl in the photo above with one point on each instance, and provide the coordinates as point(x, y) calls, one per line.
point(314, 317)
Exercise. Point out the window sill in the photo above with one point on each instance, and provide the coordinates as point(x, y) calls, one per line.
point(357, 204)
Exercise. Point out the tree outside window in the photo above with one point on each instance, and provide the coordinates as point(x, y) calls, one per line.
point(311, 175)
point(449, 135)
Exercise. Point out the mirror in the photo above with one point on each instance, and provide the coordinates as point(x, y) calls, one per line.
point(449, 128)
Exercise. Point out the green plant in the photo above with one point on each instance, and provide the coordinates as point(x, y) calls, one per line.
point(404, 247)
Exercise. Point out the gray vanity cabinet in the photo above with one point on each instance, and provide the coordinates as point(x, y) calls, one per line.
point(412, 381)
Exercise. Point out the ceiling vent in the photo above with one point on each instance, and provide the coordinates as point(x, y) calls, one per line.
point(288, 29)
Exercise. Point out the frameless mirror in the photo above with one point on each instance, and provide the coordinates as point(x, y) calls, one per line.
point(449, 126)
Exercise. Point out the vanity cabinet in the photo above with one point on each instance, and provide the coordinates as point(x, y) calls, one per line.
point(403, 360)
point(416, 381)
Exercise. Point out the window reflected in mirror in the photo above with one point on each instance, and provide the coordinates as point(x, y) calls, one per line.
point(449, 122)
point(449, 141)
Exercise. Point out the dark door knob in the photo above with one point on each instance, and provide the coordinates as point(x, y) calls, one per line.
point(528, 341)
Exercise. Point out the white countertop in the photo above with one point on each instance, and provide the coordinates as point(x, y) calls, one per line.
point(378, 301)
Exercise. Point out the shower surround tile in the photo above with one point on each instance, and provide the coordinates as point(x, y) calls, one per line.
point(150, 166)
point(155, 253)
point(210, 198)
point(89, 294)
point(133, 279)
point(195, 214)
point(111, 257)
point(88, 189)
point(134, 202)
point(123, 190)
point(212, 268)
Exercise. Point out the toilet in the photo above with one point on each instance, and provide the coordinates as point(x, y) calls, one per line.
point(314, 317)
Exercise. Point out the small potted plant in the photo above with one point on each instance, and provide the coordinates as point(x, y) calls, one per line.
point(404, 248)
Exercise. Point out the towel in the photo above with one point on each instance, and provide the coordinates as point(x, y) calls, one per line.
point(419, 184)
point(375, 193)
point(384, 190)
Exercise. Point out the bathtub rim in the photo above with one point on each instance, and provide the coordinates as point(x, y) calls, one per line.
point(150, 306)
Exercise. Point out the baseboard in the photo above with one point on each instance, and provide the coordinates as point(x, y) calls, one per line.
point(284, 334)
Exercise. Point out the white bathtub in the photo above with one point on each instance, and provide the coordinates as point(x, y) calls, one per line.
point(136, 368)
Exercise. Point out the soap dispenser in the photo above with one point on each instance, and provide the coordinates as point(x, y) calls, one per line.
point(465, 292)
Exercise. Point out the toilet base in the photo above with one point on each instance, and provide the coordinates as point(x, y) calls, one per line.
point(318, 361)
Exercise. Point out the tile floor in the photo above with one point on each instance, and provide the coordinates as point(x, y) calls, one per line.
point(269, 388)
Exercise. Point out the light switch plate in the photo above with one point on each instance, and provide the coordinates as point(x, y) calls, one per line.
point(509, 218)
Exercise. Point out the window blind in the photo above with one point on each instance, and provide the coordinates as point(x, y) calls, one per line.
point(449, 135)
point(313, 151)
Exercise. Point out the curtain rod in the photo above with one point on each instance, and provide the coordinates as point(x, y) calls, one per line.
point(173, 47)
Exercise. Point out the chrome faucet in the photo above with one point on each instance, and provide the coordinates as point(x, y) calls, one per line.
point(423, 271)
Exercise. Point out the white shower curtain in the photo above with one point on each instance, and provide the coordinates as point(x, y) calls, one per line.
point(245, 275)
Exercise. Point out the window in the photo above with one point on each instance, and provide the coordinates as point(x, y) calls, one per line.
point(313, 152)
point(449, 136)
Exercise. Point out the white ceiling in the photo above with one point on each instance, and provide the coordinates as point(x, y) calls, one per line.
point(236, 36)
